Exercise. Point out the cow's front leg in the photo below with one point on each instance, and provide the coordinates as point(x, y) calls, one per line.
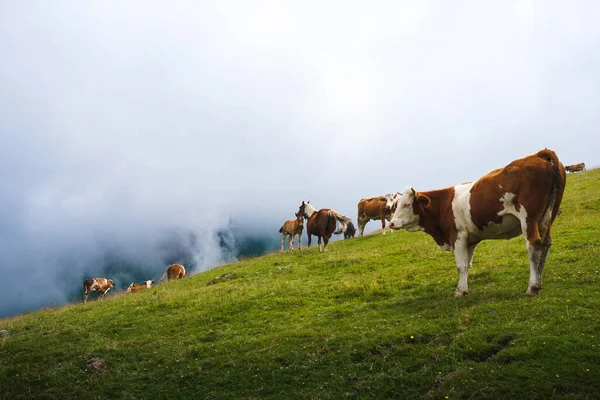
point(382, 224)
point(461, 254)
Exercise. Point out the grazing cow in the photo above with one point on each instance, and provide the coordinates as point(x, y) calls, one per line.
point(322, 223)
point(100, 285)
point(136, 288)
point(575, 167)
point(174, 271)
point(380, 207)
point(350, 231)
point(521, 198)
point(292, 227)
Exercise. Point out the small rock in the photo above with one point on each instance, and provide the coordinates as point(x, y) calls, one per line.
point(4, 333)
point(95, 365)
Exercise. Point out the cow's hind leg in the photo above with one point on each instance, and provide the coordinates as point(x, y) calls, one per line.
point(537, 254)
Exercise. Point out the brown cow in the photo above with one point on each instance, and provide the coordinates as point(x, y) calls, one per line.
point(136, 288)
point(374, 208)
point(292, 227)
point(100, 285)
point(575, 167)
point(521, 198)
point(174, 271)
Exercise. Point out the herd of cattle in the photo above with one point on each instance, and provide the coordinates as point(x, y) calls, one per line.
point(522, 198)
point(103, 285)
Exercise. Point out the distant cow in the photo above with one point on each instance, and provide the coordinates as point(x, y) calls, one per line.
point(136, 288)
point(100, 285)
point(521, 198)
point(174, 271)
point(575, 167)
point(380, 207)
point(292, 227)
point(350, 230)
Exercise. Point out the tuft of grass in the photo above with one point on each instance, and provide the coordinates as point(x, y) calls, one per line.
point(372, 318)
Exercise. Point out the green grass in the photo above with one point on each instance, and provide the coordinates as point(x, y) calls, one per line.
point(375, 317)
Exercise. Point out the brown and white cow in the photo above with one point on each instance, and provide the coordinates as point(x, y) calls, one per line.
point(292, 227)
point(174, 271)
point(100, 285)
point(521, 198)
point(374, 208)
point(134, 287)
point(575, 167)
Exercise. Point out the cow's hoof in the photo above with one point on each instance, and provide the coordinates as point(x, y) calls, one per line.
point(532, 291)
point(460, 293)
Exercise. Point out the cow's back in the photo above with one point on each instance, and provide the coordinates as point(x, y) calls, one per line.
point(532, 183)
point(370, 207)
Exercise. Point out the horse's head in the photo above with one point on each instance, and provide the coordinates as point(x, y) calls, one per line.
point(300, 219)
point(302, 210)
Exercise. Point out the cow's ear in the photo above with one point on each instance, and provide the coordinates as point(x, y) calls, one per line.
point(423, 200)
point(382, 198)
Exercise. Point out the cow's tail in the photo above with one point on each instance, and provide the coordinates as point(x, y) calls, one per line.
point(342, 219)
point(559, 180)
point(162, 277)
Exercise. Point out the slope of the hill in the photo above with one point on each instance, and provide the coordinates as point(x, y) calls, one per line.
point(372, 318)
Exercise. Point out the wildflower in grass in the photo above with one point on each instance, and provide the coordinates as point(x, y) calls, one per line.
point(587, 370)
point(412, 337)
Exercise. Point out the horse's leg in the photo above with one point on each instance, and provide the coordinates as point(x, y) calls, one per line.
point(319, 242)
point(326, 241)
point(292, 243)
point(309, 239)
point(282, 241)
point(300, 241)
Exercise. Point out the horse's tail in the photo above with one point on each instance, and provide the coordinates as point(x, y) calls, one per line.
point(281, 229)
point(342, 219)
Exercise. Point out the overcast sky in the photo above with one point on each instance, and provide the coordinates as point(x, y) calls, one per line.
point(122, 120)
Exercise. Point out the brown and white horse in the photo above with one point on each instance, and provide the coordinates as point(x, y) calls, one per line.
point(292, 227)
point(322, 223)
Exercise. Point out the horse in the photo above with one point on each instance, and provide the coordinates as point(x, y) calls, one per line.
point(350, 231)
point(292, 227)
point(322, 223)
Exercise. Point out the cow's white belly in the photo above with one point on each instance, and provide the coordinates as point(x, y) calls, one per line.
point(507, 229)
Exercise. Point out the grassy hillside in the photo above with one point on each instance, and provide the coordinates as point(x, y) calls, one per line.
point(375, 317)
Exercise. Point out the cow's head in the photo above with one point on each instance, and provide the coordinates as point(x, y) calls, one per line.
point(409, 206)
point(111, 283)
point(149, 284)
point(388, 199)
point(130, 288)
